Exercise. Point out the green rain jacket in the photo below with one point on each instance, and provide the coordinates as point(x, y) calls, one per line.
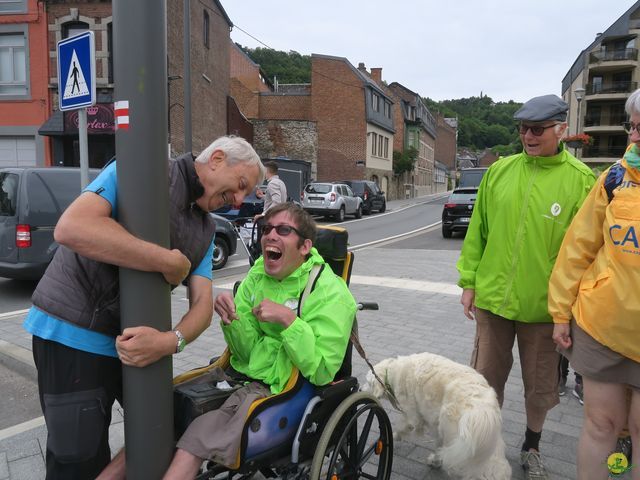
point(315, 343)
point(523, 209)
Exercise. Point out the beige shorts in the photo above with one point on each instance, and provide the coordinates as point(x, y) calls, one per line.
point(595, 361)
point(216, 435)
point(492, 357)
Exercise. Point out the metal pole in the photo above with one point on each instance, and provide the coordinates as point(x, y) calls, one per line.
point(84, 148)
point(187, 75)
point(140, 54)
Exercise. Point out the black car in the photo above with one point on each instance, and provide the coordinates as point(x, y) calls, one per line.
point(456, 213)
point(226, 242)
point(372, 197)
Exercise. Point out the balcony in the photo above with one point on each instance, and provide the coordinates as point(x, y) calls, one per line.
point(611, 87)
point(614, 56)
point(603, 152)
point(602, 121)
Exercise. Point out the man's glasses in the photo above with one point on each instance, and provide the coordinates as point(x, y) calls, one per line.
point(629, 127)
point(537, 130)
point(283, 230)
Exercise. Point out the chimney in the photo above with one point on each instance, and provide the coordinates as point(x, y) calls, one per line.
point(376, 75)
point(362, 68)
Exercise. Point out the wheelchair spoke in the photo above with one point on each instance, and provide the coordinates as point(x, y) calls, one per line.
point(364, 434)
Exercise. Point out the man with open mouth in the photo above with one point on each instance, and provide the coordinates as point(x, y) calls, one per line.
point(269, 333)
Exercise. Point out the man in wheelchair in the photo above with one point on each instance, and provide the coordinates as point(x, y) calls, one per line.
point(269, 336)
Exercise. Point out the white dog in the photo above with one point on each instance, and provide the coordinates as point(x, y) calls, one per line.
point(454, 401)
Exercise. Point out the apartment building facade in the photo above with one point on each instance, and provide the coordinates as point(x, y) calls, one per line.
point(24, 96)
point(597, 85)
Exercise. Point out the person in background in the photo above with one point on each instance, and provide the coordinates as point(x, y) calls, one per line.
point(78, 347)
point(524, 205)
point(276, 191)
point(595, 307)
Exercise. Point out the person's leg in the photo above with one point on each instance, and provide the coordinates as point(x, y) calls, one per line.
point(492, 353)
point(634, 431)
point(77, 390)
point(604, 416)
point(540, 374)
point(564, 373)
point(183, 466)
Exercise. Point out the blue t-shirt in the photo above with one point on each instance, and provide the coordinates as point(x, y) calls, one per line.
point(45, 326)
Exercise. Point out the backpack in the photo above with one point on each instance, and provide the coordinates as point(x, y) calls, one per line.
point(614, 179)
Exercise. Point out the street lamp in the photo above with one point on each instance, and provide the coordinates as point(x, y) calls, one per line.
point(579, 94)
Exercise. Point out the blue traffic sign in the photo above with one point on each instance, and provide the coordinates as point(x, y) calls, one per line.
point(77, 72)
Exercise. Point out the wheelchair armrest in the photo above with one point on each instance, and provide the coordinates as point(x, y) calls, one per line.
point(339, 388)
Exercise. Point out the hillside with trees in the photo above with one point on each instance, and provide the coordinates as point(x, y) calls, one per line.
point(287, 67)
point(482, 123)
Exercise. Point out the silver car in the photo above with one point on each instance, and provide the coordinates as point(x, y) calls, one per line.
point(331, 199)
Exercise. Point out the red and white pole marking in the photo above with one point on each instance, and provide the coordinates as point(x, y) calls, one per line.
point(121, 112)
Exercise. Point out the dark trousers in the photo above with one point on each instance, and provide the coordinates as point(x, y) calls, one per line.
point(564, 369)
point(77, 391)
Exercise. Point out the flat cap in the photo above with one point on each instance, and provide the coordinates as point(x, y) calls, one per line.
point(539, 109)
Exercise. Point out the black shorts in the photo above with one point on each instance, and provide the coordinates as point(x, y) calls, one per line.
point(77, 391)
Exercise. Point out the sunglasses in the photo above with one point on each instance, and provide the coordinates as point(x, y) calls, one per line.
point(283, 230)
point(629, 127)
point(537, 130)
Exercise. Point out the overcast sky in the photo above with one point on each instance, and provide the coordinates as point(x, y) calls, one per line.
point(443, 49)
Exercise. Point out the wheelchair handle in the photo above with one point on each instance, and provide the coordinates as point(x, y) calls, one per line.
point(368, 306)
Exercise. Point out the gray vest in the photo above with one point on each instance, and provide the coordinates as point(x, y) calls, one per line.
point(86, 292)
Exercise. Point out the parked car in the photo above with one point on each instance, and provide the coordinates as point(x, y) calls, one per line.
point(372, 197)
point(331, 199)
point(456, 213)
point(251, 206)
point(31, 202)
point(471, 177)
point(226, 242)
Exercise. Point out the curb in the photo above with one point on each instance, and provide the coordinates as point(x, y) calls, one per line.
point(18, 359)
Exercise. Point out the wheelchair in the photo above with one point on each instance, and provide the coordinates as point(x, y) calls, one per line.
point(333, 432)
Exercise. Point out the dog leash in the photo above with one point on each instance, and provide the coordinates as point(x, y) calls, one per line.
point(385, 385)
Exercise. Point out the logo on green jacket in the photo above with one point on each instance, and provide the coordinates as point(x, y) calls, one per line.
point(556, 209)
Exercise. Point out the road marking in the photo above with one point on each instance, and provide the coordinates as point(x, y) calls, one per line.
point(21, 427)
point(394, 237)
point(15, 313)
point(16, 352)
point(407, 284)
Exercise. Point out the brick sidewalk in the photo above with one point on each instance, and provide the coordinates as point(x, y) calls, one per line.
point(409, 321)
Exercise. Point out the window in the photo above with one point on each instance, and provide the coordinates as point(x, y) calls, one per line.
point(8, 194)
point(375, 102)
point(387, 110)
point(380, 143)
point(13, 6)
point(71, 29)
point(205, 29)
point(13, 64)
point(386, 147)
point(374, 144)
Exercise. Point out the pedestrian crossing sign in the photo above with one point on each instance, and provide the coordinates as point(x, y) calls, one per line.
point(77, 72)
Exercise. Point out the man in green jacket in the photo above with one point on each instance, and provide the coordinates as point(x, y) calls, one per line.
point(266, 336)
point(524, 206)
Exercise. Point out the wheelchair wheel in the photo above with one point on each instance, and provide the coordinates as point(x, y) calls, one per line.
point(358, 430)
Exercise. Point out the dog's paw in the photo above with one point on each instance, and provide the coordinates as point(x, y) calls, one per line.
point(434, 460)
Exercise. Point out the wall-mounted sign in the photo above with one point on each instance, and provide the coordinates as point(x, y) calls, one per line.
point(99, 119)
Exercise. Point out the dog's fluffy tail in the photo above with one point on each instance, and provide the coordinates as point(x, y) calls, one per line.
point(479, 432)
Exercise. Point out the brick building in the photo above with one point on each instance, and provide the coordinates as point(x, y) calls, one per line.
point(447, 144)
point(415, 127)
point(209, 28)
point(24, 96)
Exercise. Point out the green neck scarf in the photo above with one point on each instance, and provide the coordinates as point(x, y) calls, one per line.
point(633, 157)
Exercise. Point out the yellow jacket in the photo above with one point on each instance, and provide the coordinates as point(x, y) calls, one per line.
point(597, 272)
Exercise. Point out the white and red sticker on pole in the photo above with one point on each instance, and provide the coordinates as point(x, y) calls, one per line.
point(121, 112)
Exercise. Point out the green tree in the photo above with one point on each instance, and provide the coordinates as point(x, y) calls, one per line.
point(404, 161)
point(287, 67)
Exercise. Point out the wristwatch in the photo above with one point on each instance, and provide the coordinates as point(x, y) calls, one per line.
point(182, 342)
